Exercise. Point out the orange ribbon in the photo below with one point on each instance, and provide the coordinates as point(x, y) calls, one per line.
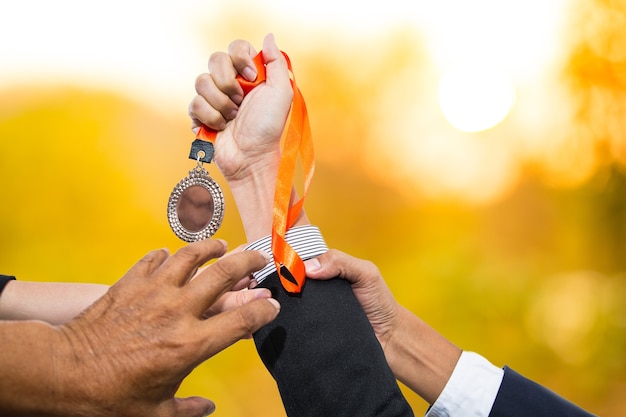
point(295, 141)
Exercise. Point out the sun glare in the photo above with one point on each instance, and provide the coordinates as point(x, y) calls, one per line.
point(487, 50)
point(474, 61)
point(475, 98)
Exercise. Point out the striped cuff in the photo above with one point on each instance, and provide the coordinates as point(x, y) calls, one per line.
point(307, 241)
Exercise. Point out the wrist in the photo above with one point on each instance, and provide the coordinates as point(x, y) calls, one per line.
point(242, 157)
point(253, 174)
point(72, 367)
point(31, 354)
point(254, 197)
point(88, 369)
point(420, 357)
point(253, 191)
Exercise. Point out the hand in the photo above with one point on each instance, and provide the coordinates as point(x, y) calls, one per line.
point(368, 286)
point(247, 149)
point(251, 128)
point(127, 354)
point(418, 355)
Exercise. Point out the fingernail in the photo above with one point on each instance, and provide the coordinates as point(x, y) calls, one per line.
point(312, 265)
point(219, 125)
point(209, 411)
point(261, 293)
point(266, 255)
point(232, 114)
point(249, 73)
point(274, 302)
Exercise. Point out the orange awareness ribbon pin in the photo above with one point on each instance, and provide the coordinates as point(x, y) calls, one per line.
point(296, 142)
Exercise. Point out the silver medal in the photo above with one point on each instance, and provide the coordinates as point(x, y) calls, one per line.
point(196, 206)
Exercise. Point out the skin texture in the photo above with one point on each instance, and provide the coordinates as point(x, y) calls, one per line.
point(127, 354)
point(419, 357)
point(52, 302)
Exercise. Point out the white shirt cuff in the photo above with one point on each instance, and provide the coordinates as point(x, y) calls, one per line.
point(471, 390)
point(307, 241)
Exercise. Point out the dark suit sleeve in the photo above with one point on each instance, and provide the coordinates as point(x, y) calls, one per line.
point(324, 355)
point(521, 397)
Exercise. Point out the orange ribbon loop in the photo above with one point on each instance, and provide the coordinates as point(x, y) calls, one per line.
point(296, 142)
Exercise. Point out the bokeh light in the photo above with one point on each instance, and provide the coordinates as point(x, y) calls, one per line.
point(508, 239)
point(475, 98)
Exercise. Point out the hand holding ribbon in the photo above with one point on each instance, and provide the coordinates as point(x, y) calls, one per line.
point(295, 142)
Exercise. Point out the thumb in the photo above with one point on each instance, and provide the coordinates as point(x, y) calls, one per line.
point(314, 269)
point(270, 49)
point(275, 64)
point(326, 266)
point(335, 263)
point(193, 407)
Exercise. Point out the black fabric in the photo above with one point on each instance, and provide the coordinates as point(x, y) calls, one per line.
point(521, 397)
point(4, 279)
point(324, 355)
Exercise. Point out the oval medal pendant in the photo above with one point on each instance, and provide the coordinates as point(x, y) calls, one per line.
point(195, 209)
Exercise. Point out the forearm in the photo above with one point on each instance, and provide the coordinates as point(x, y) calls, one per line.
point(29, 378)
point(420, 357)
point(52, 302)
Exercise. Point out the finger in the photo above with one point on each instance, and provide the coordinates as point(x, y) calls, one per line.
point(201, 113)
point(224, 75)
point(181, 266)
point(241, 53)
point(193, 407)
point(238, 249)
point(199, 271)
point(211, 105)
point(326, 266)
point(218, 278)
point(248, 281)
point(335, 263)
point(234, 299)
point(148, 264)
point(226, 328)
point(243, 283)
point(276, 64)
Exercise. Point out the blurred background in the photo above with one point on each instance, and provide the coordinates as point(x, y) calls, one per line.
point(475, 151)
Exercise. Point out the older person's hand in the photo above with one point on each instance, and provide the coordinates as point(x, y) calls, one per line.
point(419, 356)
point(127, 354)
